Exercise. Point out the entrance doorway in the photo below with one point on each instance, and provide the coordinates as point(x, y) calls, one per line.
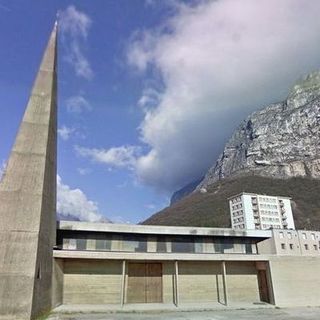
point(144, 283)
point(263, 286)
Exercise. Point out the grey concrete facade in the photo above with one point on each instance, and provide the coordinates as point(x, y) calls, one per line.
point(28, 201)
point(196, 276)
point(292, 243)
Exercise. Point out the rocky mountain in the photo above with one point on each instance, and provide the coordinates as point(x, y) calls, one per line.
point(185, 191)
point(280, 141)
point(275, 151)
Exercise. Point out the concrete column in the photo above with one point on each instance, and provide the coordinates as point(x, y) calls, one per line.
point(28, 201)
point(224, 280)
point(176, 278)
point(123, 283)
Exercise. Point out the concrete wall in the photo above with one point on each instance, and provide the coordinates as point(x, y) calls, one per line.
point(248, 211)
point(287, 207)
point(291, 242)
point(242, 282)
point(92, 281)
point(295, 280)
point(202, 282)
point(28, 202)
point(100, 282)
point(168, 281)
point(57, 282)
point(198, 281)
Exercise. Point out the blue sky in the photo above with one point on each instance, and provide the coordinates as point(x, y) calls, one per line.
point(149, 91)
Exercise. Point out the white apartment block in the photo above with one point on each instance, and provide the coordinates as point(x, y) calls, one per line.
point(256, 211)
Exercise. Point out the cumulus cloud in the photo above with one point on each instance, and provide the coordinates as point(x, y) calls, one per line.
point(78, 104)
point(74, 27)
point(218, 61)
point(65, 132)
point(118, 157)
point(74, 203)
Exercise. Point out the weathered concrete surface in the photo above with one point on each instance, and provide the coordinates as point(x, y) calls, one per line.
point(295, 280)
point(28, 201)
point(250, 314)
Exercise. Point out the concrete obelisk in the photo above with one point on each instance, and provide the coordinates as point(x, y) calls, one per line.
point(28, 201)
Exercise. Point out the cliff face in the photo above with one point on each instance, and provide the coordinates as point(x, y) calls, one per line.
point(280, 141)
point(179, 194)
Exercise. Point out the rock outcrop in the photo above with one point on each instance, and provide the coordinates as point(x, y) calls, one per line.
point(280, 141)
point(181, 193)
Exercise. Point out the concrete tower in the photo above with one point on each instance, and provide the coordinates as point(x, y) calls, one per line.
point(28, 201)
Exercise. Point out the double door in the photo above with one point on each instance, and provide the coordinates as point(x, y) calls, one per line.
point(144, 283)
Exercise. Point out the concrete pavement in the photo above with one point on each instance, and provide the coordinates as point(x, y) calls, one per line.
point(248, 314)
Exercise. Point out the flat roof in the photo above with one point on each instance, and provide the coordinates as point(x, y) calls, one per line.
point(258, 194)
point(161, 230)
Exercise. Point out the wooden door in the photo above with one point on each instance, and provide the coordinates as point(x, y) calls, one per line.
point(144, 283)
point(153, 282)
point(136, 283)
point(263, 286)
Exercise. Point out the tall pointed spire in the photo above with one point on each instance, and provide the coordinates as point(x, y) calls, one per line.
point(28, 200)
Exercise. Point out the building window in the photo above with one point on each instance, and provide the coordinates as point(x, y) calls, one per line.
point(183, 245)
point(198, 245)
point(161, 244)
point(103, 245)
point(283, 246)
point(134, 243)
point(248, 248)
point(306, 247)
point(289, 235)
point(81, 244)
point(291, 246)
point(281, 235)
point(304, 236)
point(315, 247)
point(313, 236)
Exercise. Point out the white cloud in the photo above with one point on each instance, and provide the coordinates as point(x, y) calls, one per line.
point(74, 203)
point(78, 104)
point(65, 132)
point(74, 26)
point(120, 157)
point(84, 171)
point(218, 61)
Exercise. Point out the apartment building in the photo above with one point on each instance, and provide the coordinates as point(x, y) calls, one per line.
point(292, 242)
point(261, 212)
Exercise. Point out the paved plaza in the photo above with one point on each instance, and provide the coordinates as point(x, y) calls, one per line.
point(253, 314)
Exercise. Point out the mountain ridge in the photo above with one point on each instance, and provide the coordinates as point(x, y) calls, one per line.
point(280, 142)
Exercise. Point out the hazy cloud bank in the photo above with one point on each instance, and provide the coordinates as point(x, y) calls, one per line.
point(217, 61)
